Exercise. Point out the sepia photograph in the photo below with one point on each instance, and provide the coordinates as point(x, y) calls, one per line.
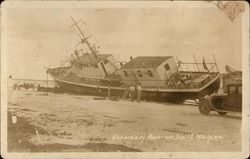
point(125, 79)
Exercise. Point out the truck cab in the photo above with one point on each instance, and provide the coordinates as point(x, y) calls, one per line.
point(223, 102)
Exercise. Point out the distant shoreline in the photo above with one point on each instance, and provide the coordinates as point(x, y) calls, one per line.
point(33, 80)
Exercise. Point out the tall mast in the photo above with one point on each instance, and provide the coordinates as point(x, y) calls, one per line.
point(93, 51)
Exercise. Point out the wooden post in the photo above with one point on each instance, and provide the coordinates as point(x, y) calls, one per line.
point(196, 63)
point(191, 75)
point(109, 91)
point(47, 79)
point(109, 87)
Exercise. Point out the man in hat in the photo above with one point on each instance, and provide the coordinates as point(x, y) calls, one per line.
point(139, 90)
point(132, 92)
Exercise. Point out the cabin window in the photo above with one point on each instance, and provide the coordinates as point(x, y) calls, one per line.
point(95, 66)
point(139, 73)
point(232, 90)
point(150, 73)
point(167, 67)
point(125, 73)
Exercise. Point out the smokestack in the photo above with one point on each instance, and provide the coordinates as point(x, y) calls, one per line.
point(131, 58)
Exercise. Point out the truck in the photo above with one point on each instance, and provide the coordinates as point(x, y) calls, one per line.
point(229, 100)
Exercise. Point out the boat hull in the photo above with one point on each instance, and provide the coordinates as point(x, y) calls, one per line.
point(157, 95)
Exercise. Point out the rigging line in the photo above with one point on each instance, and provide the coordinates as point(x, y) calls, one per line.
point(86, 41)
point(94, 39)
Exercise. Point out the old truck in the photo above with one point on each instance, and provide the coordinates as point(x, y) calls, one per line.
point(229, 100)
point(223, 102)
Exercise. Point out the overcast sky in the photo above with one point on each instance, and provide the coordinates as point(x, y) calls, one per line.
point(42, 37)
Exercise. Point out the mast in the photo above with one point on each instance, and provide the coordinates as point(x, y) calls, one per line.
point(92, 48)
point(93, 51)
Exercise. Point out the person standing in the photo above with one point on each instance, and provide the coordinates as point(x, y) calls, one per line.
point(132, 92)
point(139, 90)
point(38, 88)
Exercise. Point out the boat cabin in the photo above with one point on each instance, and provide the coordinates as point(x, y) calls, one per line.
point(150, 71)
point(88, 66)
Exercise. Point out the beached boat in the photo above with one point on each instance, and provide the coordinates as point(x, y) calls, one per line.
point(161, 77)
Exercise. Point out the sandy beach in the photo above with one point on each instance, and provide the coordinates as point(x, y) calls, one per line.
point(49, 122)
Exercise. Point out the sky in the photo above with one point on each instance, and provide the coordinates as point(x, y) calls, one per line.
point(40, 37)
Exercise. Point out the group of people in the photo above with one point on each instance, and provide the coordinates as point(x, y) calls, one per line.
point(135, 92)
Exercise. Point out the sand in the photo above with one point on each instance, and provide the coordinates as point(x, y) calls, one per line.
point(64, 122)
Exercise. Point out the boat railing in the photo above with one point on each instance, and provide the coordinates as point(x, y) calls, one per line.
point(198, 74)
point(198, 67)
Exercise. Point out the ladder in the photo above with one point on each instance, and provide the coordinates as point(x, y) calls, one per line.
point(125, 94)
point(134, 77)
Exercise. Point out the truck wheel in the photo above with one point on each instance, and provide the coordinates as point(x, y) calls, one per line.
point(205, 106)
point(222, 113)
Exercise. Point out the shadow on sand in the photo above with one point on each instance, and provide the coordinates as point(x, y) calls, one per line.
point(20, 132)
